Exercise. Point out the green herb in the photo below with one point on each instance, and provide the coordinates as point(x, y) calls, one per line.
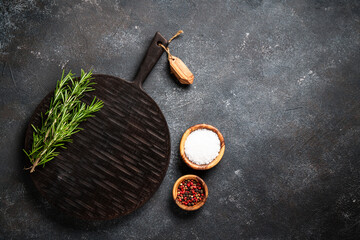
point(62, 120)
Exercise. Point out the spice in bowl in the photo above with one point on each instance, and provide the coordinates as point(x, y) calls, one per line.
point(202, 146)
point(190, 192)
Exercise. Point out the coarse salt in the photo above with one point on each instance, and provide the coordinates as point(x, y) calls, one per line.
point(202, 146)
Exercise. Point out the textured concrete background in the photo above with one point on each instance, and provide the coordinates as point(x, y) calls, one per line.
point(279, 79)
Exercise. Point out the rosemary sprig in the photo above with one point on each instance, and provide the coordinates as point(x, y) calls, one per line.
point(62, 120)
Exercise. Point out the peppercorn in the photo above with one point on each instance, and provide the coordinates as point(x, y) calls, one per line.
point(190, 192)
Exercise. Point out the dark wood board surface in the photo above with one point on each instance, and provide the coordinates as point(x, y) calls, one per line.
point(118, 161)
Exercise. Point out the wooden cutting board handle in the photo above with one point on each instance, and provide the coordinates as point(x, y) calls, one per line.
point(152, 55)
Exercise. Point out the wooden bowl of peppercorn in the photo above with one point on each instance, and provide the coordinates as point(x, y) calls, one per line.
point(214, 162)
point(190, 192)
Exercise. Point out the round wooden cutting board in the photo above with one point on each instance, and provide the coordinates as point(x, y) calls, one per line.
point(119, 160)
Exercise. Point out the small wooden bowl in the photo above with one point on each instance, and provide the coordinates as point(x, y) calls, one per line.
point(196, 206)
point(213, 162)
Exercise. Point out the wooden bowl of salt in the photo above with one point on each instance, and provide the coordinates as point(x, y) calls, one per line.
point(202, 146)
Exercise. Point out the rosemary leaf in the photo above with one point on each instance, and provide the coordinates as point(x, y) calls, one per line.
point(62, 119)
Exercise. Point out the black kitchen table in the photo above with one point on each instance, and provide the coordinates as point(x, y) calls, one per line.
point(279, 79)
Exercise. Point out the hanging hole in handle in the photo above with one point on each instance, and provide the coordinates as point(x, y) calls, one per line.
point(159, 42)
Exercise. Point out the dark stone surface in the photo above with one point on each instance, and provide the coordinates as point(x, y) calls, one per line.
point(279, 79)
